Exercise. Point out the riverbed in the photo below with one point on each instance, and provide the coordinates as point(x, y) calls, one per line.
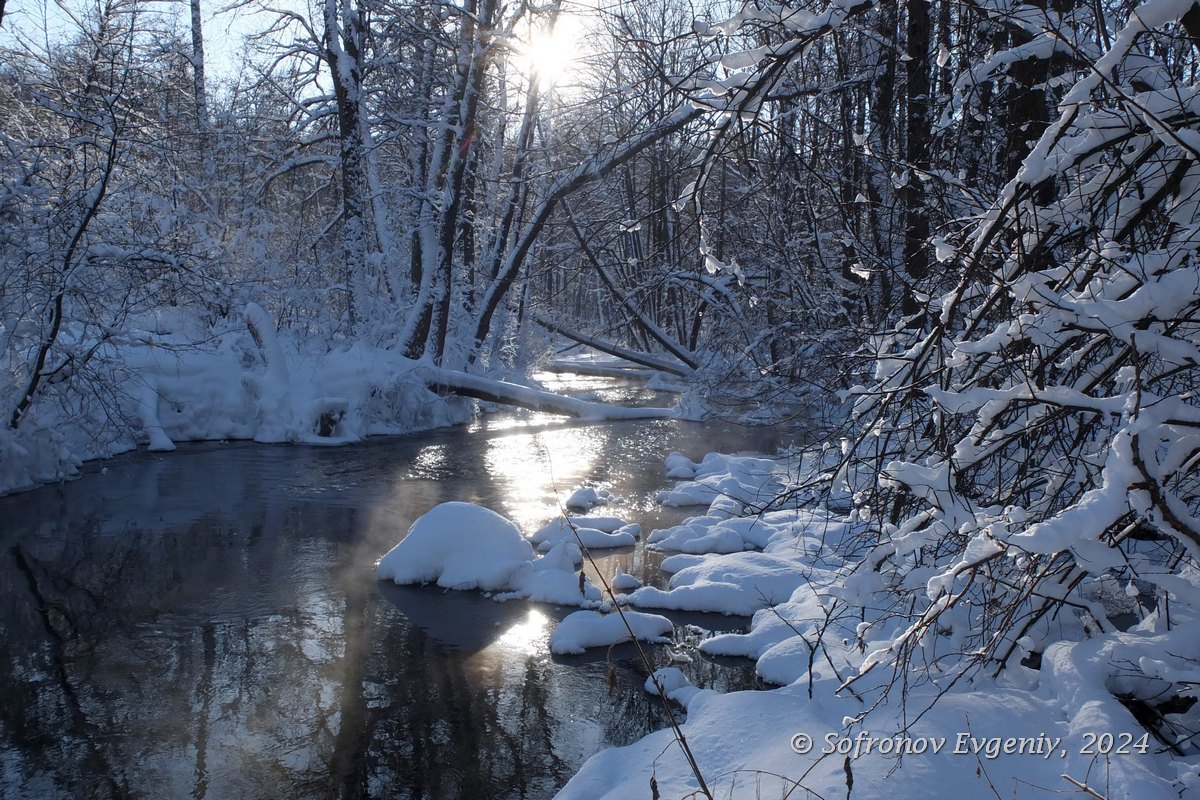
point(207, 624)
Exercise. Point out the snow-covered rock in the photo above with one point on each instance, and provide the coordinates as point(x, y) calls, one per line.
point(584, 629)
point(586, 497)
point(595, 532)
point(674, 683)
point(622, 581)
point(458, 546)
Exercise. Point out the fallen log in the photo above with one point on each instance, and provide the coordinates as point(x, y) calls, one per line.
point(605, 346)
point(598, 370)
point(514, 394)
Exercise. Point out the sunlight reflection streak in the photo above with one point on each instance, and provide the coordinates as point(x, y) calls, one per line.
point(528, 636)
point(533, 465)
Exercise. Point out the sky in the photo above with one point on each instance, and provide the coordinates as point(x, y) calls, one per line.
point(34, 23)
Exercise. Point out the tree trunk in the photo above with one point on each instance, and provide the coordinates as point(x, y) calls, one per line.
point(343, 37)
point(472, 65)
point(916, 152)
point(535, 399)
point(199, 91)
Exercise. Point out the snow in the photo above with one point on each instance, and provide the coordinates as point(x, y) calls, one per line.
point(698, 535)
point(772, 640)
point(739, 583)
point(182, 381)
point(553, 579)
point(596, 539)
point(675, 685)
point(680, 466)
point(743, 743)
point(622, 581)
point(746, 480)
point(584, 629)
point(557, 527)
point(464, 546)
point(594, 532)
point(790, 579)
point(1076, 676)
point(458, 546)
point(586, 497)
point(34, 454)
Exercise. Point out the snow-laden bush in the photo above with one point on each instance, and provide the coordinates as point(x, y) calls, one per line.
point(1028, 448)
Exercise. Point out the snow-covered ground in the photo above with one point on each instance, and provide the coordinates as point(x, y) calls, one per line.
point(848, 715)
point(1023, 733)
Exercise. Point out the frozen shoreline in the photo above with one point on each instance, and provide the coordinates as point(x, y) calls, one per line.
point(838, 713)
point(1025, 733)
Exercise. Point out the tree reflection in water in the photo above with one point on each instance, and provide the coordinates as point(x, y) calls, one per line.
point(208, 626)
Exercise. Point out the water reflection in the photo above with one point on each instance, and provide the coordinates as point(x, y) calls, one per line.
point(207, 625)
point(529, 463)
point(464, 621)
point(529, 636)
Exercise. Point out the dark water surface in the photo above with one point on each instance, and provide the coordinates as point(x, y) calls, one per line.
point(208, 624)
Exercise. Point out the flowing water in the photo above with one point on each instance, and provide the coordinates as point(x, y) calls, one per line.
point(208, 624)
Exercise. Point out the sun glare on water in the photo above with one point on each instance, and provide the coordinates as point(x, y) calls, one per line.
point(528, 635)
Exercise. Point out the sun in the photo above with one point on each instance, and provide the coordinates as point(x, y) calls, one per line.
point(550, 55)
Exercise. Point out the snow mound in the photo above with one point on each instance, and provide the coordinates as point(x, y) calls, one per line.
point(697, 535)
point(458, 546)
point(464, 546)
point(740, 479)
point(586, 497)
point(717, 566)
point(595, 532)
point(553, 579)
point(583, 629)
point(736, 583)
point(719, 534)
point(779, 638)
point(560, 527)
point(596, 540)
point(674, 683)
point(680, 467)
point(622, 581)
point(672, 564)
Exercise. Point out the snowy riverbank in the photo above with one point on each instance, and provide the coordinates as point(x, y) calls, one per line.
point(175, 379)
point(847, 715)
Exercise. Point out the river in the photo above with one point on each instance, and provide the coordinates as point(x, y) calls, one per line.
point(207, 624)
